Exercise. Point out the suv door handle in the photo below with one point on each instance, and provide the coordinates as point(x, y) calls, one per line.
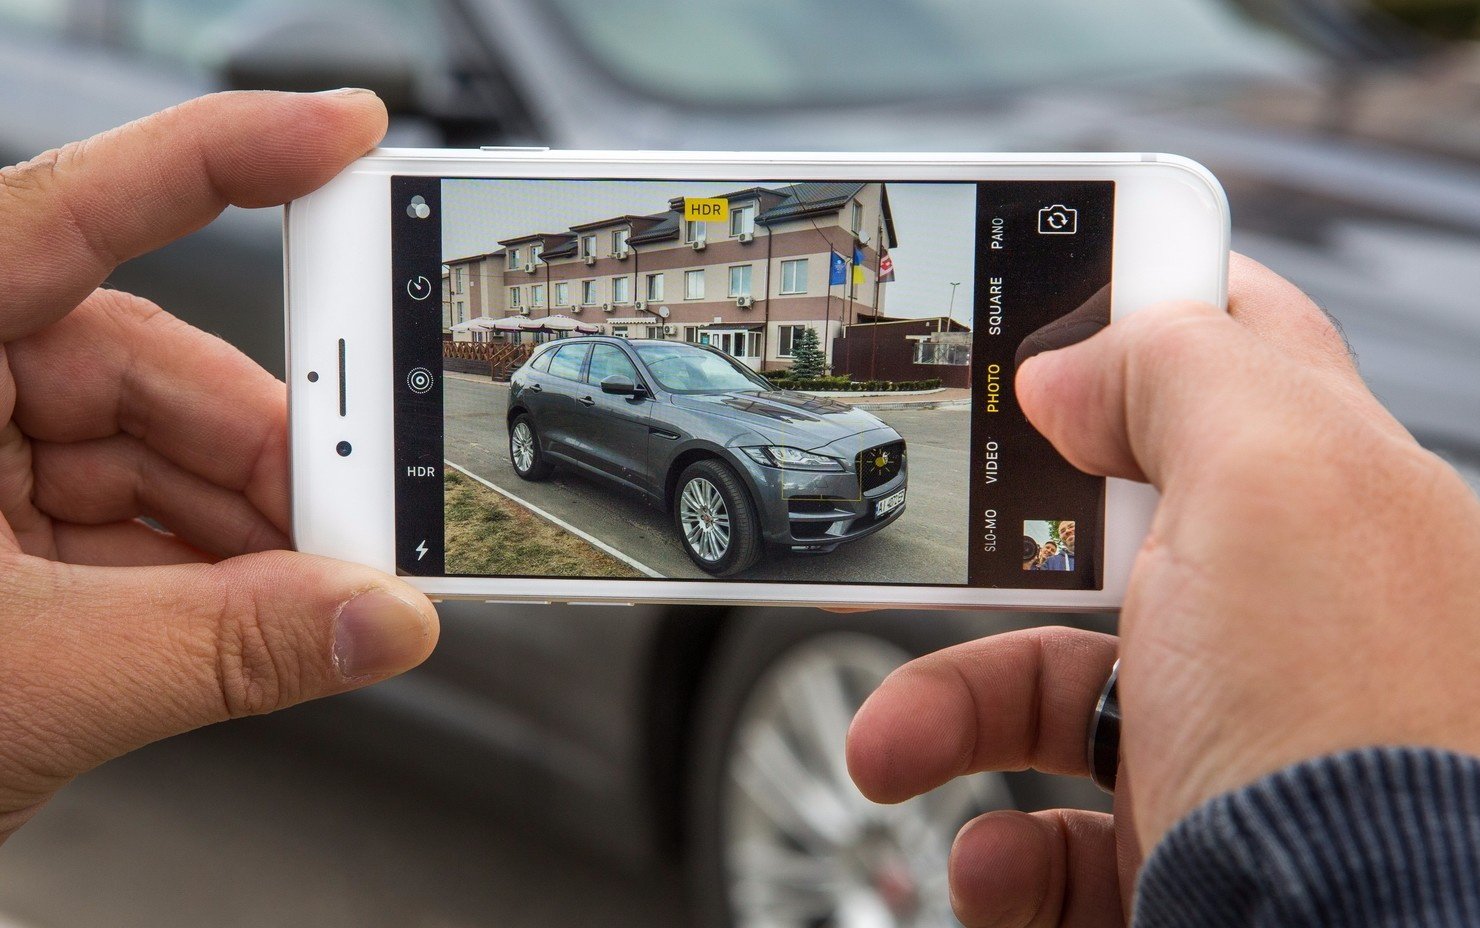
point(587, 401)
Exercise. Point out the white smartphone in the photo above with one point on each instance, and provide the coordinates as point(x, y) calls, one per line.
point(525, 375)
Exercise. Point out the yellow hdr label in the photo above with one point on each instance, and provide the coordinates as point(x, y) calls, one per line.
point(701, 209)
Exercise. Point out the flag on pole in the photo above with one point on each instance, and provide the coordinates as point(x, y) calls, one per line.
point(838, 273)
point(857, 265)
point(886, 268)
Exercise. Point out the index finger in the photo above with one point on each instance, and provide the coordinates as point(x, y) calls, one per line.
point(68, 217)
point(1009, 702)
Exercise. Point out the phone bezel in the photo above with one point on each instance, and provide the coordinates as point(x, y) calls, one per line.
point(1171, 242)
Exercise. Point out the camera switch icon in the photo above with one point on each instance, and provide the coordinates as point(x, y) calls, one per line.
point(1058, 219)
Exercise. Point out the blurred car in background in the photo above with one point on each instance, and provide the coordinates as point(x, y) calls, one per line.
point(1350, 149)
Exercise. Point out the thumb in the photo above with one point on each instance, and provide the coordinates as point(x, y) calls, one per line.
point(95, 662)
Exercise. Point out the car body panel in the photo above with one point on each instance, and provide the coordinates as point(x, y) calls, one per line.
point(644, 441)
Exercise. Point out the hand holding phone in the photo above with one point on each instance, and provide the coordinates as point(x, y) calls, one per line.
point(622, 377)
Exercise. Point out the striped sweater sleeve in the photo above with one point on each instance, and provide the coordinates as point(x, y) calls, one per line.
point(1379, 837)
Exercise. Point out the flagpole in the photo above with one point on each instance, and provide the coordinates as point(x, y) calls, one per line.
point(826, 316)
point(878, 271)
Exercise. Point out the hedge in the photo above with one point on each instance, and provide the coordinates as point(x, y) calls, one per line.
point(843, 384)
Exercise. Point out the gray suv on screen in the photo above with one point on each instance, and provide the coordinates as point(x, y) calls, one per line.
point(740, 464)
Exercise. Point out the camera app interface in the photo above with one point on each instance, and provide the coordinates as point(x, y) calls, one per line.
point(777, 381)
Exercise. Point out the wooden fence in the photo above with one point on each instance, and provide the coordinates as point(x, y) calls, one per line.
point(496, 359)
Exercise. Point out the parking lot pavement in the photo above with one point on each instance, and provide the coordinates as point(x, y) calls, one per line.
point(239, 827)
point(926, 545)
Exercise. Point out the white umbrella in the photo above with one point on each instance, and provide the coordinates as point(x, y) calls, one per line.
point(472, 325)
point(514, 324)
point(560, 323)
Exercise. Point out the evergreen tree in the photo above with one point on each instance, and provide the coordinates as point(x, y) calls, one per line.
point(807, 359)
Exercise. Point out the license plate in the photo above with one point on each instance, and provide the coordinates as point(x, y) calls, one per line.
point(889, 503)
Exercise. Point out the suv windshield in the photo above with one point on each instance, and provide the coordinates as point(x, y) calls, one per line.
point(690, 369)
point(796, 52)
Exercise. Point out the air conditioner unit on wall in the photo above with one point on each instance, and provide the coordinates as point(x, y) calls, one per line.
point(746, 236)
point(529, 268)
point(621, 254)
point(699, 245)
point(608, 307)
point(745, 302)
point(575, 309)
point(524, 310)
point(640, 305)
point(670, 330)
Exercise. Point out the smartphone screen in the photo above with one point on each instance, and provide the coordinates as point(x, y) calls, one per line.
point(776, 381)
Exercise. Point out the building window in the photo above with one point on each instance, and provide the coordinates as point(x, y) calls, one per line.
point(742, 220)
point(693, 285)
point(695, 231)
point(619, 240)
point(621, 289)
point(691, 334)
point(620, 331)
point(459, 278)
point(514, 296)
point(857, 222)
point(654, 287)
point(535, 251)
point(513, 258)
point(537, 295)
point(588, 293)
point(735, 344)
point(562, 294)
point(740, 280)
point(786, 337)
point(794, 276)
point(588, 245)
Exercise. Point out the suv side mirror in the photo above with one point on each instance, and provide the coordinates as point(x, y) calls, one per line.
point(309, 51)
point(618, 385)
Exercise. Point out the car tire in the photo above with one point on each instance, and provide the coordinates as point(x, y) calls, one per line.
point(716, 522)
point(536, 467)
point(757, 652)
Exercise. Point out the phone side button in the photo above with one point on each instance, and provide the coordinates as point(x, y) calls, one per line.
point(518, 602)
point(596, 602)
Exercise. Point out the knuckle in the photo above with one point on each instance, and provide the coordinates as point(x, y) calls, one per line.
point(255, 671)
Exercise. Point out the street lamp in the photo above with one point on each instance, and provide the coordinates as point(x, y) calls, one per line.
point(951, 312)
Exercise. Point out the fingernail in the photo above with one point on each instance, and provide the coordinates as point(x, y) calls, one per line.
point(378, 633)
point(346, 92)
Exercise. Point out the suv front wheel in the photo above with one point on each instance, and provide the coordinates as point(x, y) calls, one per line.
point(716, 523)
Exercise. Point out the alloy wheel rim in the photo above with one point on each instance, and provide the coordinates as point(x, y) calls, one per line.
point(705, 519)
point(522, 446)
point(801, 845)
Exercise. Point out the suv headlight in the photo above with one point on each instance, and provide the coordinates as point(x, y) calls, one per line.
point(793, 458)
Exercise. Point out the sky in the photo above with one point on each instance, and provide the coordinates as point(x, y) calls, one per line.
point(935, 225)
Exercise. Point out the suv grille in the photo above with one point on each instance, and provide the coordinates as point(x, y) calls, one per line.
point(878, 466)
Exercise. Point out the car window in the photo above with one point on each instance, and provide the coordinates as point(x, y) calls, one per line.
point(681, 368)
point(203, 34)
point(610, 361)
point(780, 53)
point(568, 360)
point(46, 15)
point(542, 362)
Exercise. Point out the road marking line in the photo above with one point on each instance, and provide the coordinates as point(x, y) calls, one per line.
point(555, 520)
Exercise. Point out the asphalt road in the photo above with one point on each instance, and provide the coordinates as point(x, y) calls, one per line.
point(926, 545)
point(244, 826)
